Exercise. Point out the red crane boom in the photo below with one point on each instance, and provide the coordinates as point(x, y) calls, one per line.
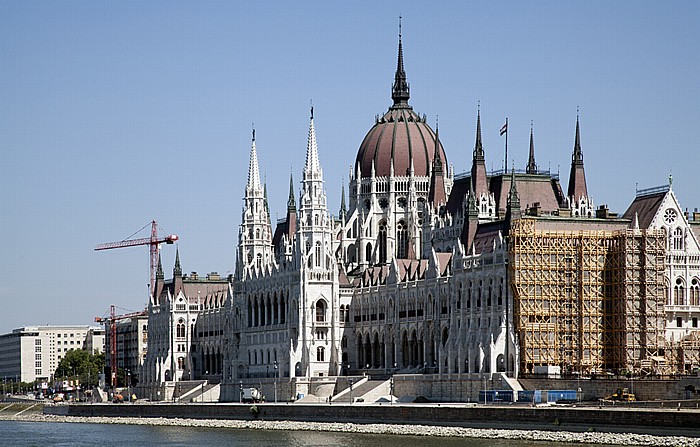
point(154, 241)
point(112, 320)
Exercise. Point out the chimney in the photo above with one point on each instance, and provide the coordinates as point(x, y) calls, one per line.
point(602, 212)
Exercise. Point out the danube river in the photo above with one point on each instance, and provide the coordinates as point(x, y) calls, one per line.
point(43, 434)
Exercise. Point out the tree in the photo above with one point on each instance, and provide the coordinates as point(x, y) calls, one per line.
point(81, 365)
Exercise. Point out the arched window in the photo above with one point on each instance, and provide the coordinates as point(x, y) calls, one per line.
point(382, 242)
point(320, 354)
point(401, 240)
point(259, 260)
point(257, 233)
point(318, 254)
point(695, 292)
point(678, 239)
point(316, 219)
point(368, 253)
point(180, 363)
point(678, 293)
point(181, 329)
point(320, 311)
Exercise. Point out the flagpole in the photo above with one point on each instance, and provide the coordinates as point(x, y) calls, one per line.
point(505, 168)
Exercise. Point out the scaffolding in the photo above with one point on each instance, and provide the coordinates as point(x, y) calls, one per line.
point(587, 301)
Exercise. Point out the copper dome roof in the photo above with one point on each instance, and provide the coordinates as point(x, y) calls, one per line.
point(399, 136)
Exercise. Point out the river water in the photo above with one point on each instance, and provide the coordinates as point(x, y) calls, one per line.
point(41, 434)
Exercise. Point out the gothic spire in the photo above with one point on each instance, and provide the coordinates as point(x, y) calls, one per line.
point(343, 208)
point(478, 147)
point(159, 270)
point(531, 166)
point(267, 205)
point(436, 194)
point(312, 164)
point(291, 203)
point(513, 197)
point(577, 176)
point(479, 183)
point(177, 271)
point(400, 91)
point(253, 170)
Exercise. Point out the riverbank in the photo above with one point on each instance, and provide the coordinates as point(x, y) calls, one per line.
point(630, 439)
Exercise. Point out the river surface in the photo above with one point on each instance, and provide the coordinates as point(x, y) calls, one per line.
point(41, 434)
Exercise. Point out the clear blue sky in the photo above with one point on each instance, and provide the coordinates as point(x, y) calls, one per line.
point(116, 113)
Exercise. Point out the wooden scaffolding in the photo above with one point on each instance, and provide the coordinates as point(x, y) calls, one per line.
point(587, 301)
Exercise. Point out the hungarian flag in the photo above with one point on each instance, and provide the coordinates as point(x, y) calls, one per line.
point(504, 129)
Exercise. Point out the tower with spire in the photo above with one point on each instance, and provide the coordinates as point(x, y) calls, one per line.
point(581, 204)
point(484, 200)
point(254, 236)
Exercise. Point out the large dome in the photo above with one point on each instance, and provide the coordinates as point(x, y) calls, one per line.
point(399, 136)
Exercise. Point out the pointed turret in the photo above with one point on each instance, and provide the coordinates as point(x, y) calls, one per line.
point(253, 170)
point(267, 205)
point(159, 271)
point(471, 222)
point(312, 164)
point(577, 177)
point(531, 165)
point(400, 91)
point(478, 173)
point(436, 194)
point(291, 203)
point(513, 205)
point(343, 208)
point(177, 270)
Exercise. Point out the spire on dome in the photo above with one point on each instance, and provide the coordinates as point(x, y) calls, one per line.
point(531, 166)
point(177, 271)
point(253, 170)
point(312, 164)
point(291, 203)
point(400, 91)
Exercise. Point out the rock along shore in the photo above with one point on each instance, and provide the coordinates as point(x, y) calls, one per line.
point(388, 429)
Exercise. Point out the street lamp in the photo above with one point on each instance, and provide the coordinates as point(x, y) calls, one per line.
point(128, 384)
point(240, 391)
point(276, 366)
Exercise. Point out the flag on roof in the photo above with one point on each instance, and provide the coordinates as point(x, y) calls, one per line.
point(504, 129)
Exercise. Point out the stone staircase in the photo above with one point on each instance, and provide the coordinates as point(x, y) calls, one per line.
point(365, 390)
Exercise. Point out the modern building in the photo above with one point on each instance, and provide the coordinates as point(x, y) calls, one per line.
point(33, 352)
point(425, 271)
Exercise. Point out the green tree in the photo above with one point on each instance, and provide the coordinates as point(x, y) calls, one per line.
point(81, 365)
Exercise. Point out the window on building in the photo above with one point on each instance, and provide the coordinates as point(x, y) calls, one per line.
point(678, 239)
point(317, 255)
point(401, 240)
point(678, 292)
point(37, 356)
point(37, 342)
point(679, 321)
point(37, 364)
point(320, 311)
point(695, 292)
point(382, 242)
point(695, 321)
point(320, 354)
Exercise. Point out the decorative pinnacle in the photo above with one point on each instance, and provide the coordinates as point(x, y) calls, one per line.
point(400, 91)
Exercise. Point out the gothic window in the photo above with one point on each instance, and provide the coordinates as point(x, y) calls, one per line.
point(368, 253)
point(181, 329)
point(259, 260)
point(382, 242)
point(316, 220)
point(320, 311)
point(180, 363)
point(320, 354)
point(401, 240)
point(678, 239)
point(678, 292)
point(257, 233)
point(318, 254)
point(383, 203)
point(695, 292)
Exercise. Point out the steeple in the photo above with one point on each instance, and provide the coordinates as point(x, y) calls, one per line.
point(267, 205)
point(478, 175)
point(177, 271)
point(253, 170)
point(291, 203)
point(400, 91)
point(513, 205)
point(312, 164)
point(531, 166)
point(436, 194)
point(343, 208)
point(577, 177)
point(159, 270)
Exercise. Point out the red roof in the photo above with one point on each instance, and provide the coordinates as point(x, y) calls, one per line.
point(400, 135)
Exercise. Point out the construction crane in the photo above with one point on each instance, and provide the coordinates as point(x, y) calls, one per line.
point(112, 321)
point(154, 241)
